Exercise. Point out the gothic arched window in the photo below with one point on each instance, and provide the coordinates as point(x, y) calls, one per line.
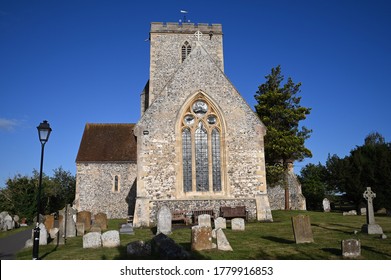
point(186, 49)
point(201, 148)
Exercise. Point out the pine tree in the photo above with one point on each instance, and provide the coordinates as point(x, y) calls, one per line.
point(279, 109)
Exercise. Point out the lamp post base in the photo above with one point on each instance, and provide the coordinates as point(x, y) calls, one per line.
point(36, 242)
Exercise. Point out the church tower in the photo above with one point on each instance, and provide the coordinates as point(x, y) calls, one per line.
point(199, 144)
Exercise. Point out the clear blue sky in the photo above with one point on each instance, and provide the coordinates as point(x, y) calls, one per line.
point(73, 62)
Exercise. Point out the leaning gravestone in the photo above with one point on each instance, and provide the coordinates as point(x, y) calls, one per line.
point(326, 205)
point(220, 222)
point(222, 241)
point(302, 229)
point(351, 248)
point(204, 220)
point(370, 227)
point(237, 224)
point(84, 217)
point(201, 238)
point(164, 219)
point(100, 220)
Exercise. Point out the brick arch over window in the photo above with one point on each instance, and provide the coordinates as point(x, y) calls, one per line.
point(201, 140)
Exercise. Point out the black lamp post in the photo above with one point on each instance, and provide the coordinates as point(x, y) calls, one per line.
point(43, 133)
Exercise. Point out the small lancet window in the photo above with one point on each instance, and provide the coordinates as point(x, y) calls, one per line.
point(116, 183)
point(186, 49)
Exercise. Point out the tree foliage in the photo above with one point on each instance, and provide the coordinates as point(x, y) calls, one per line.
point(20, 193)
point(313, 181)
point(368, 165)
point(280, 110)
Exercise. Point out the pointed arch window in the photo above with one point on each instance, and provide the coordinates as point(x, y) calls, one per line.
point(186, 49)
point(201, 148)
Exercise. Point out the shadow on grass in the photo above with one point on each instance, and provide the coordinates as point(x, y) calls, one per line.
point(48, 253)
point(278, 239)
point(333, 251)
point(333, 229)
point(371, 249)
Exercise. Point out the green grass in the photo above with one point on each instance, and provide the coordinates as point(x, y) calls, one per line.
point(259, 241)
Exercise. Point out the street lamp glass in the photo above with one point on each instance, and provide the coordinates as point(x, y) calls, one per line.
point(44, 131)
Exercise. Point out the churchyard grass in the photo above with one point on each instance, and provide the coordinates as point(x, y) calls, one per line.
point(259, 241)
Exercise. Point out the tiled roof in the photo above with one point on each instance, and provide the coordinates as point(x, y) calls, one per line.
point(108, 143)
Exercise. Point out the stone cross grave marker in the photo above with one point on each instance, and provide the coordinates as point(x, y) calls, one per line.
point(302, 229)
point(370, 227)
point(164, 220)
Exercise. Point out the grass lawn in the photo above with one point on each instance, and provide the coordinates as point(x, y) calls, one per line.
point(269, 241)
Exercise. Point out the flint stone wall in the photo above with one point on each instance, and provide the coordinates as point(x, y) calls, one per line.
point(95, 184)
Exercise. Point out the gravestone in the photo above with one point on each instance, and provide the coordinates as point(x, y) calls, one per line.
point(126, 229)
point(84, 217)
point(237, 224)
point(100, 220)
point(370, 227)
point(80, 229)
point(43, 234)
point(201, 238)
point(92, 240)
point(67, 224)
point(49, 222)
point(168, 249)
point(110, 239)
point(139, 249)
point(326, 205)
point(351, 248)
point(222, 241)
point(220, 222)
point(8, 223)
point(164, 220)
point(350, 213)
point(302, 229)
point(204, 220)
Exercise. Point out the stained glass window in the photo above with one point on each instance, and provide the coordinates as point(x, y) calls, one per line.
point(216, 161)
point(186, 49)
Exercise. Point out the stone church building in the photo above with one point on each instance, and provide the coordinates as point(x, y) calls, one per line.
point(198, 144)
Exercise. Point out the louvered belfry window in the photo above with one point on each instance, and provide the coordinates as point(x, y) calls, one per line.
point(201, 148)
point(186, 49)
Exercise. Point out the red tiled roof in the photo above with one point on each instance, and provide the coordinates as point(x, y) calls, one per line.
point(108, 143)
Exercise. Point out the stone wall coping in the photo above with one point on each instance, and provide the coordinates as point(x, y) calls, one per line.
point(185, 27)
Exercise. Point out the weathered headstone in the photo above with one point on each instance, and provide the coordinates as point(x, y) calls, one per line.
point(201, 238)
point(370, 227)
point(326, 205)
point(220, 222)
point(204, 220)
point(49, 222)
point(126, 229)
point(95, 228)
point(100, 219)
point(164, 220)
point(302, 229)
point(68, 224)
point(92, 240)
point(110, 239)
point(222, 241)
point(167, 249)
point(237, 224)
point(80, 229)
point(84, 217)
point(351, 248)
point(7, 223)
point(139, 249)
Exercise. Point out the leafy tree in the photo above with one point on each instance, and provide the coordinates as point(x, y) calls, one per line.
point(313, 179)
point(279, 109)
point(368, 165)
point(20, 193)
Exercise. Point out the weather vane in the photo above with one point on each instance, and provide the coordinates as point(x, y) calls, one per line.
point(184, 16)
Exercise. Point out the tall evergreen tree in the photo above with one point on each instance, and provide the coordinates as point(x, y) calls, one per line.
point(280, 110)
